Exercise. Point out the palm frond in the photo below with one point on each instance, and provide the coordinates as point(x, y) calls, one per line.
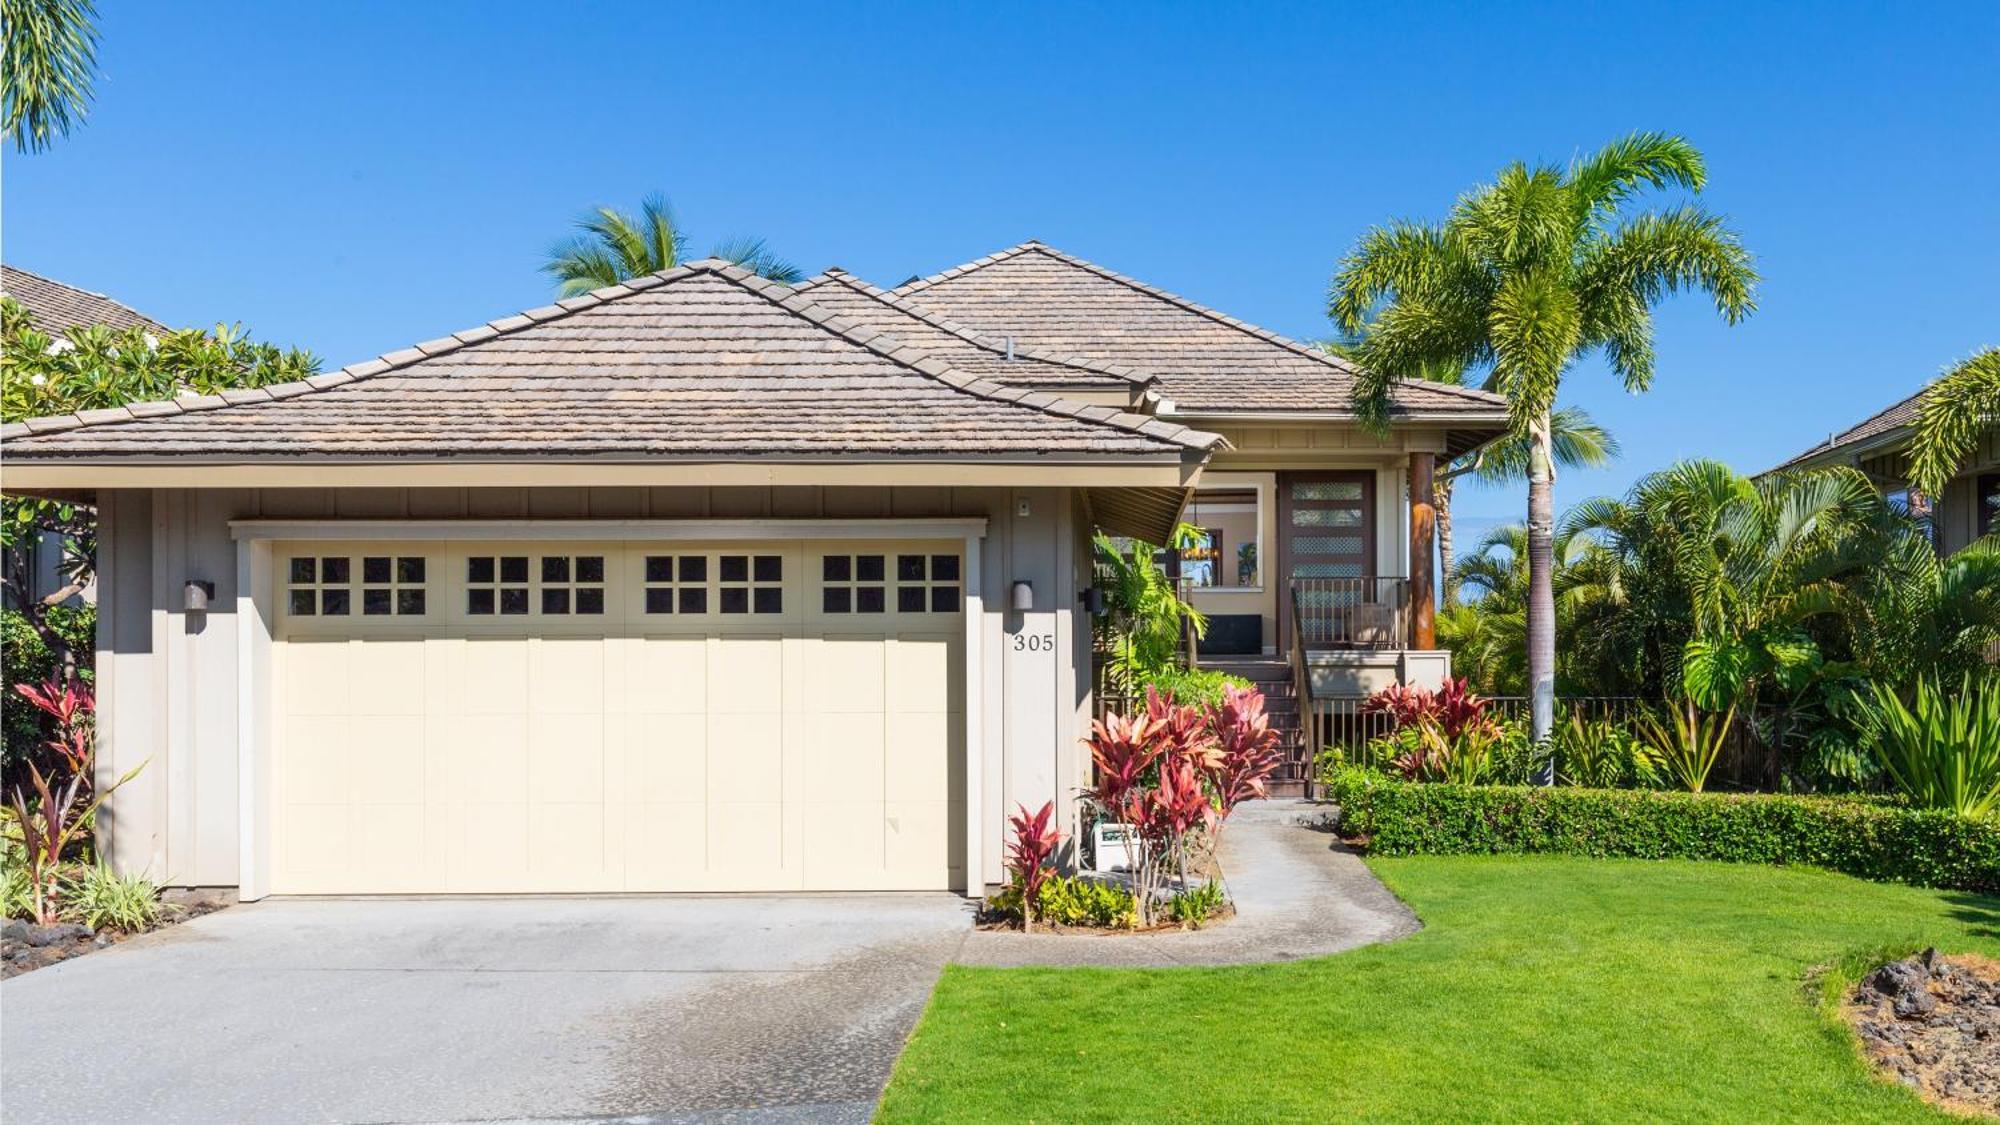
point(47, 68)
point(754, 255)
point(1613, 173)
point(1955, 411)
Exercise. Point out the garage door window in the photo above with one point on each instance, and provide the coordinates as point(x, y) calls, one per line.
point(392, 584)
point(320, 585)
point(676, 584)
point(751, 583)
point(854, 583)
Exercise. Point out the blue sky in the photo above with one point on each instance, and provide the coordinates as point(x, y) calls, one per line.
point(355, 177)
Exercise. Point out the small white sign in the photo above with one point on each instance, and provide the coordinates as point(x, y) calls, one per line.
point(1108, 850)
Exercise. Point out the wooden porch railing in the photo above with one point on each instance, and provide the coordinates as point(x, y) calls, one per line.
point(1351, 613)
point(1305, 750)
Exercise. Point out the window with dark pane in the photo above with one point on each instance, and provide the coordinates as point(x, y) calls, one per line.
point(769, 568)
point(333, 571)
point(669, 582)
point(513, 601)
point(836, 568)
point(868, 568)
point(768, 599)
point(909, 599)
point(735, 568)
point(659, 599)
point(479, 603)
point(694, 568)
point(479, 569)
point(944, 568)
point(694, 599)
point(555, 599)
point(735, 599)
point(869, 599)
point(590, 568)
point(514, 568)
point(333, 602)
point(410, 570)
point(555, 568)
point(590, 599)
point(944, 599)
point(376, 602)
point(837, 599)
point(375, 570)
point(305, 603)
point(410, 601)
point(909, 568)
point(304, 570)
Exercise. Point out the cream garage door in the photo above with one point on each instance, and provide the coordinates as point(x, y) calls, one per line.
point(524, 717)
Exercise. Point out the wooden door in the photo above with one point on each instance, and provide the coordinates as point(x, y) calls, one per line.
point(1326, 530)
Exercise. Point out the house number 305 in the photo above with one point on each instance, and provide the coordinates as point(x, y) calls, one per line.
point(1034, 642)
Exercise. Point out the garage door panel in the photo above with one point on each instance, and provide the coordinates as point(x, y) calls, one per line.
point(650, 750)
point(845, 674)
point(384, 674)
point(668, 757)
point(495, 676)
point(919, 755)
point(566, 676)
point(746, 837)
point(490, 760)
point(317, 766)
point(669, 674)
point(566, 757)
point(918, 840)
point(847, 849)
point(845, 762)
point(316, 679)
point(746, 754)
point(745, 675)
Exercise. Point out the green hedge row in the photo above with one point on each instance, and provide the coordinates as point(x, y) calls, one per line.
point(1868, 839)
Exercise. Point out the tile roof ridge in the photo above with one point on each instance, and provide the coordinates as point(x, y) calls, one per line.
point(1038, 247)
point(986, 341)
point(367, 368)
point(908, 356)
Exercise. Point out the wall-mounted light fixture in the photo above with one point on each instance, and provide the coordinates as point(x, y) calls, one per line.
point(1024, 595)
point(196, 595)
point(1093, 601)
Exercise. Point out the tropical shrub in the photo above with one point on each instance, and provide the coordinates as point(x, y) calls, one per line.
point(1191, 906)
point(1687, 741)
point(53, 814)
point(1142, 631)
point(26, 659)
point(1174, 772)
point(1202, 687)
point(1870, 839)
point(1073, 900)
point(1601, 754)
point(99, 897)
point(1944, 752)
point(1035, 840)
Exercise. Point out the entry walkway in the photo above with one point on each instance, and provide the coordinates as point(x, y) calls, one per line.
point(1298, 891)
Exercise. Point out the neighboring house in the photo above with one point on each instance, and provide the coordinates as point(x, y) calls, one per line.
point(1879, 447)
point(701, 582)
point(55, 308)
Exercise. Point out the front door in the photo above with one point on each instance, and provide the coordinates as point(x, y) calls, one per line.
point(1326, 545)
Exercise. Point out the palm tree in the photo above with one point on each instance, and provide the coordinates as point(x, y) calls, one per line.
point(1578, 441)
point(1526, 276)
point(1955, 410)
point(49, 63)
point(615, 246)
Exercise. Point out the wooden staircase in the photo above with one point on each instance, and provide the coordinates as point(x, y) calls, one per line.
point(1273, 677)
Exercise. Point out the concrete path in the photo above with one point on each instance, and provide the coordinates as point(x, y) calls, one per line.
point(1298, 891)
point(359, 1010)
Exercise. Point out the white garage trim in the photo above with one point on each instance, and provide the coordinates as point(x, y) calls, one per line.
point(644, 529)
point(256, 611)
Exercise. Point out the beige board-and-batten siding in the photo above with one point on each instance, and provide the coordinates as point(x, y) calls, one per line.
point(181, 687)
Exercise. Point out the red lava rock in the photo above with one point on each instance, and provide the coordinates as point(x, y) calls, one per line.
point(1933, 1023)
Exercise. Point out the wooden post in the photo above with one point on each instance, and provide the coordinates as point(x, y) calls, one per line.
point(1423, 551)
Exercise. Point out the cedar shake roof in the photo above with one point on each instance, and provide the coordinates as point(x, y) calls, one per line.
point(706, 361)
point(1207, 362)
point(1881, 429)
point(55, 308)
point(967, 350)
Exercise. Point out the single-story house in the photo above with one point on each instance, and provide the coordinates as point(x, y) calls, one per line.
point(703, 582)
point(1879, 447)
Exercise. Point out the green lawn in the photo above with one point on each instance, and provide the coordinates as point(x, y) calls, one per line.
point(1540, 989)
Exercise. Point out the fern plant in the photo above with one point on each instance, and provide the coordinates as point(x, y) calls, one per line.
point(1944, 752)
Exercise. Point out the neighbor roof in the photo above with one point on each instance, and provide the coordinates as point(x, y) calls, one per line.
point(1207, 362)
point(1879, 430)
point(55, 308)
point(705, 361)
point(964, 348)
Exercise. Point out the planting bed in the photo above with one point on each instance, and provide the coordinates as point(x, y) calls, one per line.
point(25, 946)
point(1933, 1024)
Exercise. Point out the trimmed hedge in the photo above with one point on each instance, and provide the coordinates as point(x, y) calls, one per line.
point(1869, 839)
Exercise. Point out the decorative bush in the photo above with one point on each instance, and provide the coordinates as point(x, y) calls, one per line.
point(1868, 839)
point(1202, 687)
point(1943, 750)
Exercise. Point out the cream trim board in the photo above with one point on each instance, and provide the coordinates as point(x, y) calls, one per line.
point(704, 530)
point(31, 477)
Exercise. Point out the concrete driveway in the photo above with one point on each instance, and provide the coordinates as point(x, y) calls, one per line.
point(378, 1010)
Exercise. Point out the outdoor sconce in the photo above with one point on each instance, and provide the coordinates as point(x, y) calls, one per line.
point(196, 595)
point(1024, 595)
point(1093, 601)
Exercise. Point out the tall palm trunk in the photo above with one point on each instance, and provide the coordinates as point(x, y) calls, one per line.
point(1541, 592)
point(1447, 581)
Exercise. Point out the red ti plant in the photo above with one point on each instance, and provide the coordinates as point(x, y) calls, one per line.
point(1247, 748)
point(1035, 840)
point(1453, 707)
point(60, 814)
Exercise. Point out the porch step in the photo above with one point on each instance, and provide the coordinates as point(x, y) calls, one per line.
point(1281, 705)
